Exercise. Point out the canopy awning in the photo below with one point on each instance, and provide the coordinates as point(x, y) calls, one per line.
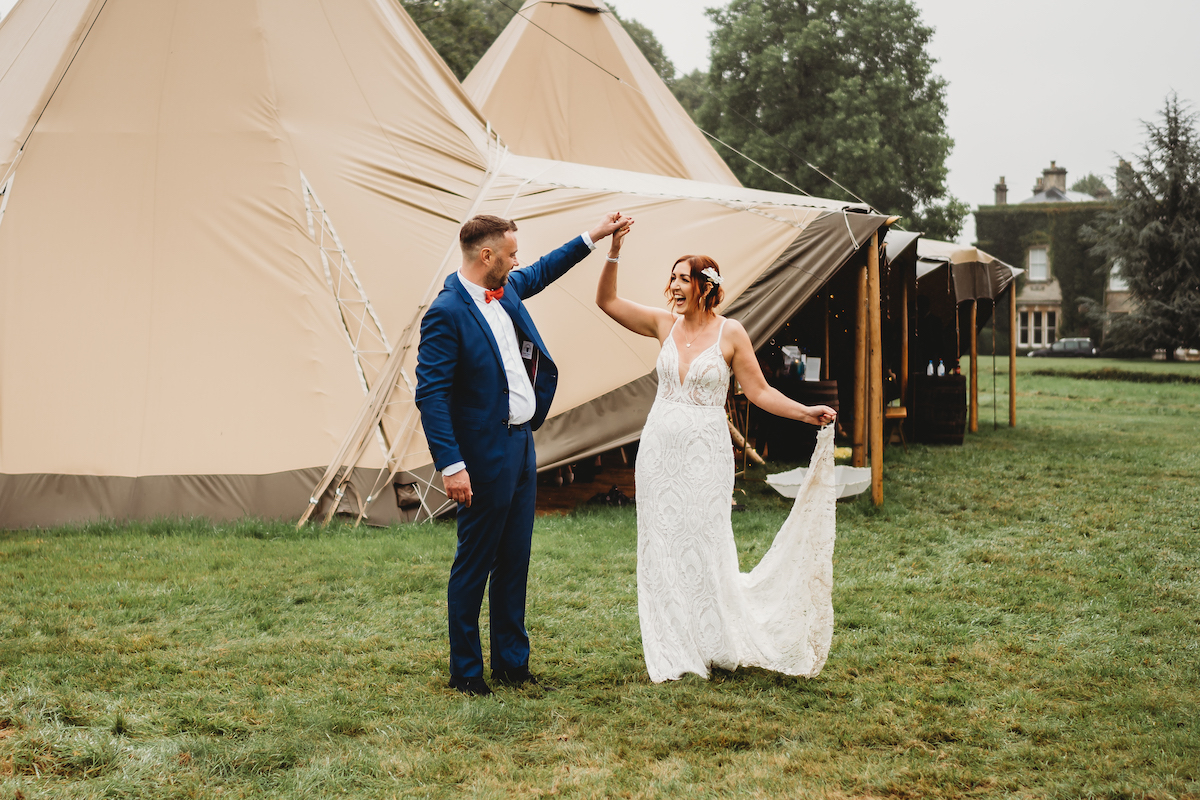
point(975, 274)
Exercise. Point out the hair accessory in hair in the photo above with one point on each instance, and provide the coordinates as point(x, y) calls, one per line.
point(712, 276)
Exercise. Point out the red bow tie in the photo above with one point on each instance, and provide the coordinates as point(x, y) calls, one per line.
point(492, 294)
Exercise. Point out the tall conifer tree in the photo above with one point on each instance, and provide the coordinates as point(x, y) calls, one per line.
point(1152, 236)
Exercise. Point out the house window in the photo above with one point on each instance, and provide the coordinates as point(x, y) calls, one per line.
point(1039, 264)
point(1037, 327)
point(1116, 281)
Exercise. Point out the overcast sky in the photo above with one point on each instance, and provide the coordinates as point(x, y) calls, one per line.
point(1030, 81)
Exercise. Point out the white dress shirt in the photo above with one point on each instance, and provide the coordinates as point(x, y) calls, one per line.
point(522, 404)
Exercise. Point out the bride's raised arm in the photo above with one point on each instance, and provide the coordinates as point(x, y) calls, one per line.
point(758, 391)
point(636, 317)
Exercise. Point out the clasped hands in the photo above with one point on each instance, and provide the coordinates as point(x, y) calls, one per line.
point(613, 222)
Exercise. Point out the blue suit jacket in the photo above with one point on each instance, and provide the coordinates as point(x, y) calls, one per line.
point(462, 389)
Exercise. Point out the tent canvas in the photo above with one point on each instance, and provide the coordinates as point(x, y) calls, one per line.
point(222, 222)
point(537, 84)
point(565, 81)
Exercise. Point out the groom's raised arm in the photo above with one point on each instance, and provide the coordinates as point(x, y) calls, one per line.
point(532, 279)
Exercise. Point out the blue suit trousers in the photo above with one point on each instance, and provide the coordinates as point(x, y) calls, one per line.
point(494, 536)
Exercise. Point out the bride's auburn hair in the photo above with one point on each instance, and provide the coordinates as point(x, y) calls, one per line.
point(713, 294)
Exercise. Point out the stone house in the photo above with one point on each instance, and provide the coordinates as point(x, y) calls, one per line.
point(1041, 235)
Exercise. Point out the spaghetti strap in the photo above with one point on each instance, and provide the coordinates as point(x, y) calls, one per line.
point(671, 333)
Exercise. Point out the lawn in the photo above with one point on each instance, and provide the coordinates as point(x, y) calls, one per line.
point(1020, 618)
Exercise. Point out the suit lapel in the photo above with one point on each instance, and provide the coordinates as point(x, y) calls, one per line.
point(520, 317)
point(485, 329)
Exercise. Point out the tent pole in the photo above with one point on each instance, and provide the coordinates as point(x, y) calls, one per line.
point(1012, 355)
point(974, 427)
point(825, 360)
point(953, 292)
point(904, 340)
point(875, 313)
point(995, 421)
point(859, 455)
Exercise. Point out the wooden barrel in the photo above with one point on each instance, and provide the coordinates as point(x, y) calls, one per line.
point(938, 408)
point(788, 439)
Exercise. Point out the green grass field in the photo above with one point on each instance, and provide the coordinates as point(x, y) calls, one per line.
point(1021, 618)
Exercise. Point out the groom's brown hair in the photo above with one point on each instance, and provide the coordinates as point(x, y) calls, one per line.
point(482, 231)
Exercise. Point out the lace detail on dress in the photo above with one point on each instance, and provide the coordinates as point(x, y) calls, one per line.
point(696, 609)
point(707, 379)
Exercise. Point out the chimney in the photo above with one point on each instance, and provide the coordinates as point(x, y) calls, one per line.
point(1039, 186)
point(1001, 192)
point(1055, 178)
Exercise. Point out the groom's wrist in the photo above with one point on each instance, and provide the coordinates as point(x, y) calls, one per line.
point(457, 466)
point(587, 239)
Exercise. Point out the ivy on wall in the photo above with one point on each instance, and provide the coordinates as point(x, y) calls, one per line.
point(1008, 232)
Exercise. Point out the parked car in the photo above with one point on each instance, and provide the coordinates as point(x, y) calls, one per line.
point(1080, 347)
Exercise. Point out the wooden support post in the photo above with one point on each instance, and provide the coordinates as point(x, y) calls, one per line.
point(875, 395)
point(904, 340)
point(974, 425)
point(739, 441)
point(825, 359)
point(858, 443)
point(1012, 354)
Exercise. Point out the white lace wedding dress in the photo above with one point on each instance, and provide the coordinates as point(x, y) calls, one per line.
point(697, 610)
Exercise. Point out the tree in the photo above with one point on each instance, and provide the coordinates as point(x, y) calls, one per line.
point(690, 90)
point(460, 30)
point(1093, 185)
point(648, 43)
point(1153, 236)
point(845, 85)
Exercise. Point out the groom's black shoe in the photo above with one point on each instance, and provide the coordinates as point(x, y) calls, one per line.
point(471, 687)
point(517, 676)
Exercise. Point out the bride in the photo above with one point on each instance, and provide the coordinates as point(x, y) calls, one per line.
point(696, 609)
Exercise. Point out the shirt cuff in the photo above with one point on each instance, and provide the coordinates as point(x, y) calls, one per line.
point(587, 239)
point(457, 466)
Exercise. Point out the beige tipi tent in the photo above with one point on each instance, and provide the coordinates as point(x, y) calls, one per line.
point(169, 341)
point(535, 84)
point(565, 81)
point(220, 222)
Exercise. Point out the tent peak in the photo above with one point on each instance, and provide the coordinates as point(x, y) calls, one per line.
point(594, 6)
point(547, 86)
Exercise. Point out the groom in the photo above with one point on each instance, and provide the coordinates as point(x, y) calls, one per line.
point(484, 384)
